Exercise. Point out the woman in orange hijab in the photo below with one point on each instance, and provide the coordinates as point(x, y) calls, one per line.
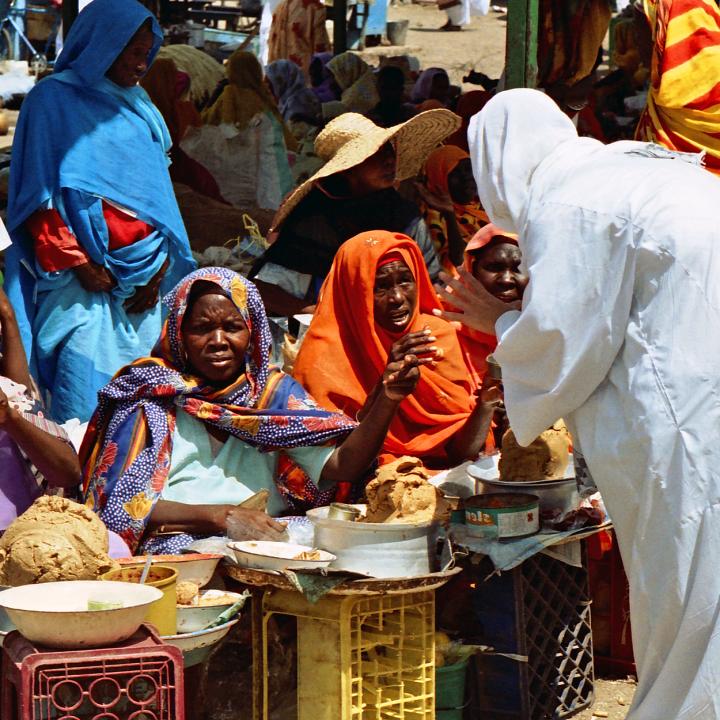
point(373, 324)
point(451, 207)
point(493, 258)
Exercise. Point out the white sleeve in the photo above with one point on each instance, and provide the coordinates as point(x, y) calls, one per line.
point(574, 317)
point(505, 322)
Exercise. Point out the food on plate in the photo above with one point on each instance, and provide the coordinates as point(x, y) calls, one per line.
point(401, 493)
point(210, 600)
point(187, 592)
point(546, 458)
point(308, 555)
point(54, 539)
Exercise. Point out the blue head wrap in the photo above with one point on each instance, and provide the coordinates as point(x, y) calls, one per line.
point(81, 137)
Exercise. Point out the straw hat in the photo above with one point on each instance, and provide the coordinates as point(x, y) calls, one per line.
point(350, 139)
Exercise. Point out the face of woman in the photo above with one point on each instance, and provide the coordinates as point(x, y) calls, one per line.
point(461, 183)
point(132, 63)
point(216, 339)
point(394, 296)
point(374, 174)
point(498, 269)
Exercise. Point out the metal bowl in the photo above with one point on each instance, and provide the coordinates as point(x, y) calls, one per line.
point(377, 549)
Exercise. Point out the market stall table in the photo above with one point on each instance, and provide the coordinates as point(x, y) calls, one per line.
point(365, 646)
point(533, 602)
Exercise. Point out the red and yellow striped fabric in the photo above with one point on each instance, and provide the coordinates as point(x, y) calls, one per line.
point(683, 108)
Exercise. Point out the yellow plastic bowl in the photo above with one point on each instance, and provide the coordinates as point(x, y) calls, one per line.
point(163, 612)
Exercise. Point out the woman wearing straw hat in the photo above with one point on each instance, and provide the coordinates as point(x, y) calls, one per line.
point(352, 193)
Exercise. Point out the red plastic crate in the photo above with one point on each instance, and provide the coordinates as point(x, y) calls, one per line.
point(140, 679)
point(610, 594)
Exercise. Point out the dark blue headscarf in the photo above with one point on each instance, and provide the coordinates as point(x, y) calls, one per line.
point(81, 136)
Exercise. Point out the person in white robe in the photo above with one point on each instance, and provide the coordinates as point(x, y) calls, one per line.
point(619, 333)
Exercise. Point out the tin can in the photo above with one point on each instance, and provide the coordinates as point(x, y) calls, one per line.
point(502, 516)
point(343, 511)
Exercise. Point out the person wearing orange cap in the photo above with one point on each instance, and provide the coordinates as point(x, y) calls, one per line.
point(374, 316)
point(493, 258)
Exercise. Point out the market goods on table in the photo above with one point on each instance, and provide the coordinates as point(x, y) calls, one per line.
point(207, 607)
point(56, 614)
point(196, 567)
point(268, 555)
point(502, 516)
point(54, 539)
point(382, 550)
point(162, 612)
point(401, 493)
point(546, 458)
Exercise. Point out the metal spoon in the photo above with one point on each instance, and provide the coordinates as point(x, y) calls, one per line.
point(146, 569)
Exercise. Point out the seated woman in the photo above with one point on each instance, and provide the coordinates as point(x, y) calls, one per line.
point(301, 111)
point(169, 89)
point(355, 80)
point(493, 258)
point(244, 142)
point(296, 101)
point(451, 208)
point(181, 438)
point(35, 453)
point(353, 192)
point(375, 313)
point(96, 228)
point(433, 84)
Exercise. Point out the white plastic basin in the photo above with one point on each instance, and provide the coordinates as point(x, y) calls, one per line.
point(56, 614)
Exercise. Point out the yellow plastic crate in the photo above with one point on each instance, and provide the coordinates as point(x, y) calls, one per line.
point(360, 657)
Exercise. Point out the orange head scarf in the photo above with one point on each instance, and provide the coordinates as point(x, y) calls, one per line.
point(438, 166)
point(475, 344)
point(344, 352)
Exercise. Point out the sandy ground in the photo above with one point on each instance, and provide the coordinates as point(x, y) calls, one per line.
point(481, 45)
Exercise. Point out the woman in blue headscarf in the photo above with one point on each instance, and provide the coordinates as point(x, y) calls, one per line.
point(96, 228)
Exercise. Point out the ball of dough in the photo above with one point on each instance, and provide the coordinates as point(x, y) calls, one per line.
point(546, 458)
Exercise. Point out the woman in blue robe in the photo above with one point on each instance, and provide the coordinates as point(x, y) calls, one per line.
point(97, 234)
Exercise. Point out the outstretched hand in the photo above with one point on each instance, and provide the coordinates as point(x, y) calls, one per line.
point(477, 308)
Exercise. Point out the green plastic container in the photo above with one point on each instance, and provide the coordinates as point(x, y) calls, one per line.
point(450, 691)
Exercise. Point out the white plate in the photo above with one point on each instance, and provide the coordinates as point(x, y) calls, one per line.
point(267, 555)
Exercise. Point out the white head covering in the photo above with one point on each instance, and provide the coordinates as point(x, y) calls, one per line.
point(508, 139)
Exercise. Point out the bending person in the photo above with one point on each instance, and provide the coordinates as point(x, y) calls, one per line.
point(96, 227)
point(375, 313)
point(620, 291)
point(181, 438)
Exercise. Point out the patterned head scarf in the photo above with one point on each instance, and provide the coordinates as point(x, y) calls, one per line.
point(128, 447)
point(289, 87)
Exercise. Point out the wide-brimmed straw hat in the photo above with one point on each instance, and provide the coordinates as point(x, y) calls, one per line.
point(350, 139)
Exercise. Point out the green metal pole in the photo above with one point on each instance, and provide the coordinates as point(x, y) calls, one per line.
point(339, 26)
point(521, 43)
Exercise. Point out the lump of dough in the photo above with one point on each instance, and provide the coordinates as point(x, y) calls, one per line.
point(546, 458)
point(54, 539)
point(187, 593)
point(401, 493)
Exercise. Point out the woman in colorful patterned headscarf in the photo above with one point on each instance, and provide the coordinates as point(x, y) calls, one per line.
point(183, 437)
point(682, 111)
